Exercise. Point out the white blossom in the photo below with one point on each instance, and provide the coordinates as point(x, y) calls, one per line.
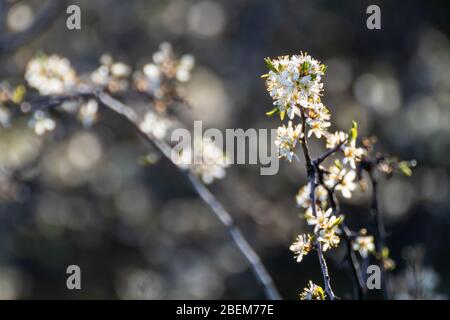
point(41, 122)
point(303, 197)
point(155, 125)
point(301, 247)
point(342, 179)
point(111, 74)
point(352, 154)
point(334, 139)
point(206, 160)
point(364, 245)
point(50, 75)
point(296, 81)
point(88, 112)
point(164, 66)
point(328, 238)
point(286, 140)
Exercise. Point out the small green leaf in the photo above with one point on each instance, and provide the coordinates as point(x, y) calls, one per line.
point(338, 221)
point(385, 252)
point(270, 65)
point(353, 134)
point(19, 94)
point(148, 159)
point(282, 113)
point(305, 66)
point(338, 164)
point(273, 111)
point(405, 168)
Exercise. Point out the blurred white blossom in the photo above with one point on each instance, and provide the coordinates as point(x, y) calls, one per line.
point(41, 122)
point(364, 245)
point(50, 75)
point(206, 160)
point(155, 125)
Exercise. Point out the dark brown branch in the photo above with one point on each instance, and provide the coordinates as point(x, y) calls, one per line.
point(328, 153)
point(380, 236)
point(311, 172)
point(360, 290)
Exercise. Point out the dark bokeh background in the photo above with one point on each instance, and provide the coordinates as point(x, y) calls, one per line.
point(140, 232)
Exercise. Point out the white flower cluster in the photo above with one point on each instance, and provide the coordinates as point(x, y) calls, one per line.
point(41, 122)
point(111, 74)
point(295, 81)
point(301, 247)
point(88, 112)
point(205, 160)
point(325, 226)
point(155, 125)
point(287, 138)
point(364, 244)
point(163, 68)
point(295, 85)
point(51, 75)
point(341, 179)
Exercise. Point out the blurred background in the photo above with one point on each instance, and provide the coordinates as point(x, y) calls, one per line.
point(79, 196)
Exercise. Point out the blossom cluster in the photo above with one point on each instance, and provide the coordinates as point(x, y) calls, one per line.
point(204, 159)
point(111, 74)
point(158, 77)
point(295, 85)
point(51, 75)
point(158, 80)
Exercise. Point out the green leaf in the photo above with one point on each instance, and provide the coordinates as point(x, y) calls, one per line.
point(338, 221)
point(148, 159)
point(405, 168)
point(19, 94)
point(353, 134)
point(270, 65)
point(273, 111)
point(282, 113)
point(305, 66)
point(338, 164)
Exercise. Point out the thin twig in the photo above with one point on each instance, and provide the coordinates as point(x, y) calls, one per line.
point(328, 153)
point(380, 236)
point(226, 219)
point(130, 114)
point(360, 290)
point(311, 173)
